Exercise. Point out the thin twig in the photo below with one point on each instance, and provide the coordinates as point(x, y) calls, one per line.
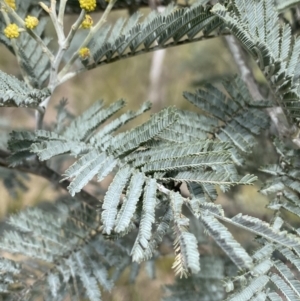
point(39, 114)
point(223, 218)
point(58, 27)
point(74, 28)
point(61, 12)
point(63, 45)
point(91, 34)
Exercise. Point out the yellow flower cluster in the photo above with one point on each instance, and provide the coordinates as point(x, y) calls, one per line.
point(88, 5)
point(84, 53)
point(12, 31)
point(31, 22)
point(87, 22)
point(11, 3)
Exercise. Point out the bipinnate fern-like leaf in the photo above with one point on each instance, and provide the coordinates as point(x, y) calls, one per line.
point(100, 165)
point(284, 183)
point(273, 296)
point(269, 277)
point(284, 288)
point(259, 227)
point(206, 283)
point(130, 201)
point(153, 160)
point(48, 149)
point(291, 256)
point(185, 244)
point(158, 30)
point(187, 254)
point(194, 162)
point(54, 284)
point(15, 93)
point(89, 282)
point(255, 286)
point(87, 159)
point(113, 198)
point(256, 26)
point(226, 241)
point(198, 206)
point(179, 162)
point(157, 235)
point(84, 125)
point(288, 276)
point(128, 141)
point(10, 269)
point(145, 152)
point(147, 219)
point(174, 151)
point(283, 187)
point(280, 272)
point(149, 163)
point(104, 133)
point(239, 113)
point(207, 177)
point(63, 243)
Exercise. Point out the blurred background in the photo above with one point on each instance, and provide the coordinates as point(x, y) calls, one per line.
point(161, 78)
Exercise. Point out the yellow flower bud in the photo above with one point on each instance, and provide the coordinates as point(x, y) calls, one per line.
point(87, 22)
point(31, 22)
point(12, 31)
point(11, 3)
point(84, 53)
point(88, 5)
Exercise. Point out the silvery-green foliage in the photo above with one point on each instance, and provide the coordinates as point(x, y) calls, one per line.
point(205, 285)
point(66, 248)
point(263, 279)
point(16, 93)
point(284, 184)
point(146, 159)
point(158, 30)
point(256, 25)
point(78, 248)
point(33, 60)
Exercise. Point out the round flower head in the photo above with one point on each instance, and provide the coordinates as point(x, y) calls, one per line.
point(11, 3)
point(12, 31)
point(87, 22)
point(31, 22)
point(84, 53)
point(88, 5)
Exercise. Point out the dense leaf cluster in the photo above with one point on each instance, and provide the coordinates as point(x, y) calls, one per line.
point(78, 247)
